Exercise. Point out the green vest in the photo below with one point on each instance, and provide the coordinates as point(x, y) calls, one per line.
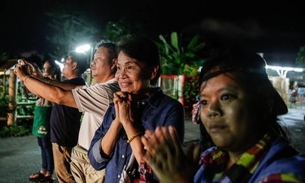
point(41, 124)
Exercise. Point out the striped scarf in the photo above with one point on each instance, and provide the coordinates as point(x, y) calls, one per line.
point(241, 171)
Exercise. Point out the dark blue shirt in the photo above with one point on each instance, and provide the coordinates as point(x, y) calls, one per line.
point(65, 121)
point(158, 110)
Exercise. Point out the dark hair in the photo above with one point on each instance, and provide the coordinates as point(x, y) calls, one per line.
point(55, 68)
point(249, 68)
point(112, 51)
point(81, 59)
point(144, 50)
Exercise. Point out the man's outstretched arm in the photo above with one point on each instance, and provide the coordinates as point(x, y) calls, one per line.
point(51, 90)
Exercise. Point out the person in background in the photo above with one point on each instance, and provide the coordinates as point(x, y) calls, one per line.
point(239, 108)
point(138, 106)
point(41, 127)
point(64, 121)
point(92, 100)
point(293, 94)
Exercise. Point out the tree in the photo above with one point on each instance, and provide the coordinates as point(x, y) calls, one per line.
point(179, 57)
point(116, 31)
point(69, 28)
point(300, 60)
point(3, 56)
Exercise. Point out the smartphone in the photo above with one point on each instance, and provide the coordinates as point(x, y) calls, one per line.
point(27, 67)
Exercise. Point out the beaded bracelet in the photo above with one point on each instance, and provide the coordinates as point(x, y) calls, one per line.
point(133, 137)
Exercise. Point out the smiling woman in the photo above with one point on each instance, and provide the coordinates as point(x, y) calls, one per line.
point(140, 105)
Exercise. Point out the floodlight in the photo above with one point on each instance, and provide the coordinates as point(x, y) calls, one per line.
point(83, 48)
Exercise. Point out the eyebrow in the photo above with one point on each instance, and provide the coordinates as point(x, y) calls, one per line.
point(229, 87)
point(129, 62)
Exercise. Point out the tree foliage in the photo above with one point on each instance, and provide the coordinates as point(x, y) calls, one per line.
point(68, 29)
point(121, 29)
point(300, 60)
point(179, 55)
point(3, 56)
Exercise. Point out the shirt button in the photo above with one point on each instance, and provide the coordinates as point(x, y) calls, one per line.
point(119, 176)
point(123, 156)
point(143, 103)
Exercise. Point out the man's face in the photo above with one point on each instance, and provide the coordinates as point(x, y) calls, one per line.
point(100, 66)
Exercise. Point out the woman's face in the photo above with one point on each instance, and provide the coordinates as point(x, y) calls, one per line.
point(68, 68)
point(228, 113)
point(47, 70)
point(131, 74)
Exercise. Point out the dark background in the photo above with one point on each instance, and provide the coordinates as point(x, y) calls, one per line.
point(275, 28)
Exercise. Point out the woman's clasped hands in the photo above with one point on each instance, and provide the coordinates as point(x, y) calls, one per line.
point(122, 102)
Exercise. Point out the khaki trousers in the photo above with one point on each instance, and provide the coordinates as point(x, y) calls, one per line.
point(81, 168)
point(62, 159)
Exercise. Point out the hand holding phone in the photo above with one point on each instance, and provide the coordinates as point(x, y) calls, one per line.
point(27, 67)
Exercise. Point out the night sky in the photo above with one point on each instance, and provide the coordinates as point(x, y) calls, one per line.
point(276, 28)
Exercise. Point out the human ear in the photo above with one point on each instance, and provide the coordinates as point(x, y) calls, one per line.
point(74, 65)
point(114, 63)
point(154, 72)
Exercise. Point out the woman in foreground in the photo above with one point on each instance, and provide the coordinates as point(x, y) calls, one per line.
point(239, 109)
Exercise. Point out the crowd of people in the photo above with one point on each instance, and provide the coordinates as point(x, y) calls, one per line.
point(130, 131)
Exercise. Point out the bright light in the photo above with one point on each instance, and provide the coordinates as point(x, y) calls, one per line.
point(61, 65)
point(296, 69)
point(282, 71)
point(83, 48)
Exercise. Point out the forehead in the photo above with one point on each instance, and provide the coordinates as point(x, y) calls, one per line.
point(101, 51)
point(220, 82)
point(69, 57)
point(46, 64)
point(124, 59)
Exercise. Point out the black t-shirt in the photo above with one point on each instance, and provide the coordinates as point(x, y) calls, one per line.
point(65, 121)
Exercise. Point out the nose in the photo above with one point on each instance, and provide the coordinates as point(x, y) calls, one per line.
point(92, 63)
point(121, 73)
point(214, 110)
